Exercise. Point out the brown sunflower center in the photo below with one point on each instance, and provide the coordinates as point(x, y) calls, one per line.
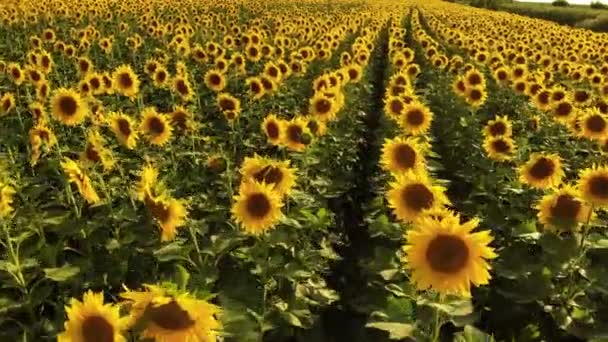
point(581, 96)
point(179, 118)
point(566, 207)
point(68, 105)
point(156, 125)
point(97, 329)
point(598, 186)
point(258, 205)
point(353, 74)
point(272, 130)
point(501, 146)
point(415, 117)
point(475, 95)
point(405, 156)
point(563, 109)
point(543, 97)
point(182, 87)
point(596, 124)
point(125, 80)
point(170, 316)
point(269, 175)
point(92, 154)
point(124, 127)
point(294, 133)
point(558, 95)
point(447, 254)
point(227, 104)
point(543, 168)
point(396, 106)
point(474, 79)
point(323, 106)
point(498, 128)
point(255, 87)
point(95, 83)
point(417, 197)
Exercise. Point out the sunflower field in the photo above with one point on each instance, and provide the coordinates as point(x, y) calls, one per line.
point(312, 170)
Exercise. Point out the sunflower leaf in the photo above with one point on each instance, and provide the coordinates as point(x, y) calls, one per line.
point(396, 331)
point(60, 274)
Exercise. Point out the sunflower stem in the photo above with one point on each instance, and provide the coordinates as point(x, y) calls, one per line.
point(436, 326)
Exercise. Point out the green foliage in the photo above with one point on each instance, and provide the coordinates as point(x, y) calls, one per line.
point(598, 5)
point(560, 3)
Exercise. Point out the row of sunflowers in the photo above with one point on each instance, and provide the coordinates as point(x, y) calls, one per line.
point(310, 170)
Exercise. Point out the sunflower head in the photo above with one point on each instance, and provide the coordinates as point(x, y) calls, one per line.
point(500, 126)
point(68, 107)
point(594, 124)
point(412, 194)
point(183, 88)
point(124, 128)
point(542, 171)
point(155, 126)
point(447, 256)
point(274, 129)
point(400, 155)
point(256, 88)
point(323, 107)
point(499, 148)
point(215, 80)
point(476, 96)
point(275, 173)
point(563, 209)
point(257, 207)
point(593, 185)
point(416, 118)
point(297, 134)
point(125, 81)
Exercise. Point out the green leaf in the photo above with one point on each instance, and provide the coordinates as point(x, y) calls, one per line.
point(61, 273)
point(292, 319)
point(472, 334)
point(183, 276)
point(396, 331)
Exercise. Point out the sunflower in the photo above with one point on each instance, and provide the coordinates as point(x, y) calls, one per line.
point(215, 80)
point(394, 106)
point(542, 100)
point(275, 173)
point(400, 155)
point(7, 103)
point(500, 126)
point(83, 182)
point(416, 118)
point(68, 107)
point(84, 65)
point(38, 112)
point(124, 128)
point(95, 152)
point(476, 97)
point(256, 88)
point(322, 107)
point(160, 77)
point(156, 127)
point(499, 148)
point(257, 207)
point(412, 194)
point(270, 86)
point(563, 111)
point(92, 320)
point(542, 171)
point(593, 185)
point(274, 129)
point(297, 134)
point(166, 315)
point(183, 88)
point(182, 119)
point(354, 72)
point(563, 209)
point(125, 81)
point(6, 200)
point(17, 75)
point(170, 213)
point(39, 135)
point(34, 75)
point(473, 78)
point(446, 256)
point(594, 124)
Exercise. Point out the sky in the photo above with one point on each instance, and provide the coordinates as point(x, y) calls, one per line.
point(578, 2)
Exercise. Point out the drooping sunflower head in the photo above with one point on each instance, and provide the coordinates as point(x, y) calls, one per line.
point(278, 174)
point(257, 207)
point(124, 128)
point(274, 129)
point(125, 81)
point(169, 213)
point(7, 103)
point(594, 124)
point(542, 171)
point(215, 80)
point(183, 88)
point(593, 185)
point(412, 194)
point(416, 118)
point(447, 256)
point(297, 134)
point(155, 126)
point(563, 210)
point(68, 107)
point(95, 152)
point(499, 148)
point(256, 88)
point(500, 126)
point(400, 155)
point(168, 315)
point(92, 320)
